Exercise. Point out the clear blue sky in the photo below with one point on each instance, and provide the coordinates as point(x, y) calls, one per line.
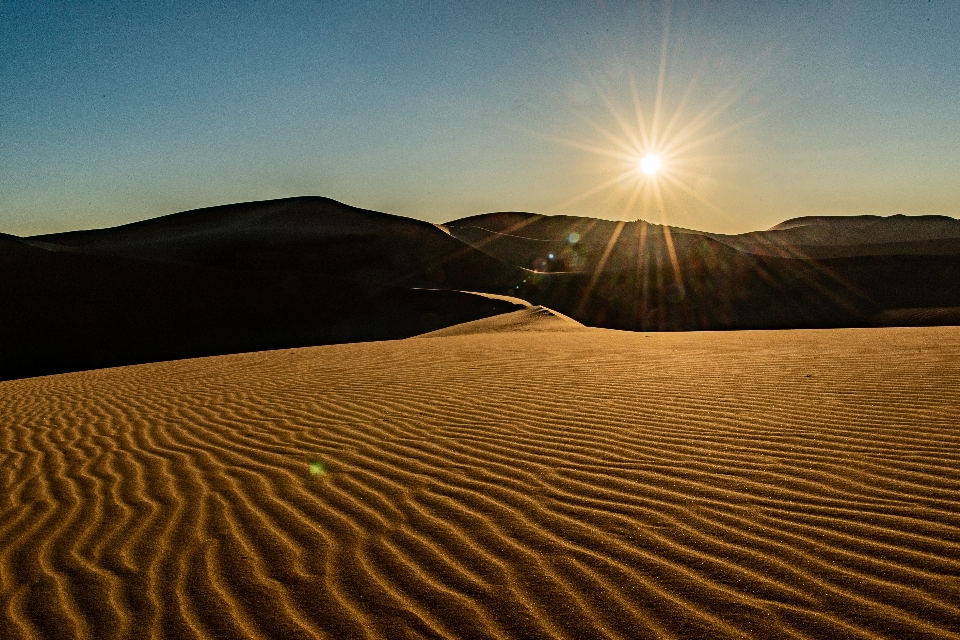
point(112, 112)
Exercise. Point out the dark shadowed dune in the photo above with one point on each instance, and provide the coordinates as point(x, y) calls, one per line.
point(858, 229)
point(525, 238)
point(76, 311)
point(919, 317)
point(535, 225)
point(233, 279)
point(306, 234)
point(308, 271)
point(774, 247)
point(642, 276)
point(849, 236)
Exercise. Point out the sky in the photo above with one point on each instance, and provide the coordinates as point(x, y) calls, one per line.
point(112, 112)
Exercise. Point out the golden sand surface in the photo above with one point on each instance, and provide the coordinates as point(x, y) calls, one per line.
point(528, 484)
point(532, 319)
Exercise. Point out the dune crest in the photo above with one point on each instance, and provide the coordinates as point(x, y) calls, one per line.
point(308, 271)
point(535, 318)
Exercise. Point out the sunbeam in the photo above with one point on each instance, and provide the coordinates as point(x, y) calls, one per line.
point(657, 151)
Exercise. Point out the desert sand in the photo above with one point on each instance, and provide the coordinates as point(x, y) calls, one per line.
point(509, 482)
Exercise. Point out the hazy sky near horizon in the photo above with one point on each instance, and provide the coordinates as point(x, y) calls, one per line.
point(112, 112)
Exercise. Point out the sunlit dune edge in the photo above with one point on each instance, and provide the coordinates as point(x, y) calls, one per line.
point(581, 483)
point(534, 318)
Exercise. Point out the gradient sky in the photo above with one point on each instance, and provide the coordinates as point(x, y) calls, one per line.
point(112, 112)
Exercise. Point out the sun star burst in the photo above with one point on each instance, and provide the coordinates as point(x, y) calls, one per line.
point(660, 154)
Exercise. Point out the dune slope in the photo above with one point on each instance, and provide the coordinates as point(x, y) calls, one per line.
point(534, 318)
point(305, 234)
point(310, 271)
point(65, 311)
point(585, 484)
point(246, 277)
point(818, 273)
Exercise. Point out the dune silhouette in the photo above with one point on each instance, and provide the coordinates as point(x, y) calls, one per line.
point(642, 276)
point(232, 279)
point(310, 271)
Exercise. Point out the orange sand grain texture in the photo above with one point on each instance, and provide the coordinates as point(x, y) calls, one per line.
point(580, 483)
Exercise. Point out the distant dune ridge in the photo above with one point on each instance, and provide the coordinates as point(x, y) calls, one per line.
point(311, 271)
point(831, 271)
point(848, 236)
point(575, 484)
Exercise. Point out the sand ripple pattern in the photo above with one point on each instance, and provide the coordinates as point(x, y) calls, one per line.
point(796, 484)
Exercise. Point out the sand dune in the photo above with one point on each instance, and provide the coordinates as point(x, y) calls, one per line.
point(309, 271)
point(866, 229)
point(812, 273)
point(304, 234)
point(570, 243)
point(586, 484)
point(66, 311)
point(850, 236)
point(248, 277)
point(772, 243)
point(534, 318)
point(527, 238)
point(921, 317)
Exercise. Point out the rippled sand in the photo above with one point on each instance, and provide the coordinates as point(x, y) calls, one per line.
point(523, 484)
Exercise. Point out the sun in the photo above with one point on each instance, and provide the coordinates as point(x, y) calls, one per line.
point(655, 158)
point(658, 150)
point(650, 164)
